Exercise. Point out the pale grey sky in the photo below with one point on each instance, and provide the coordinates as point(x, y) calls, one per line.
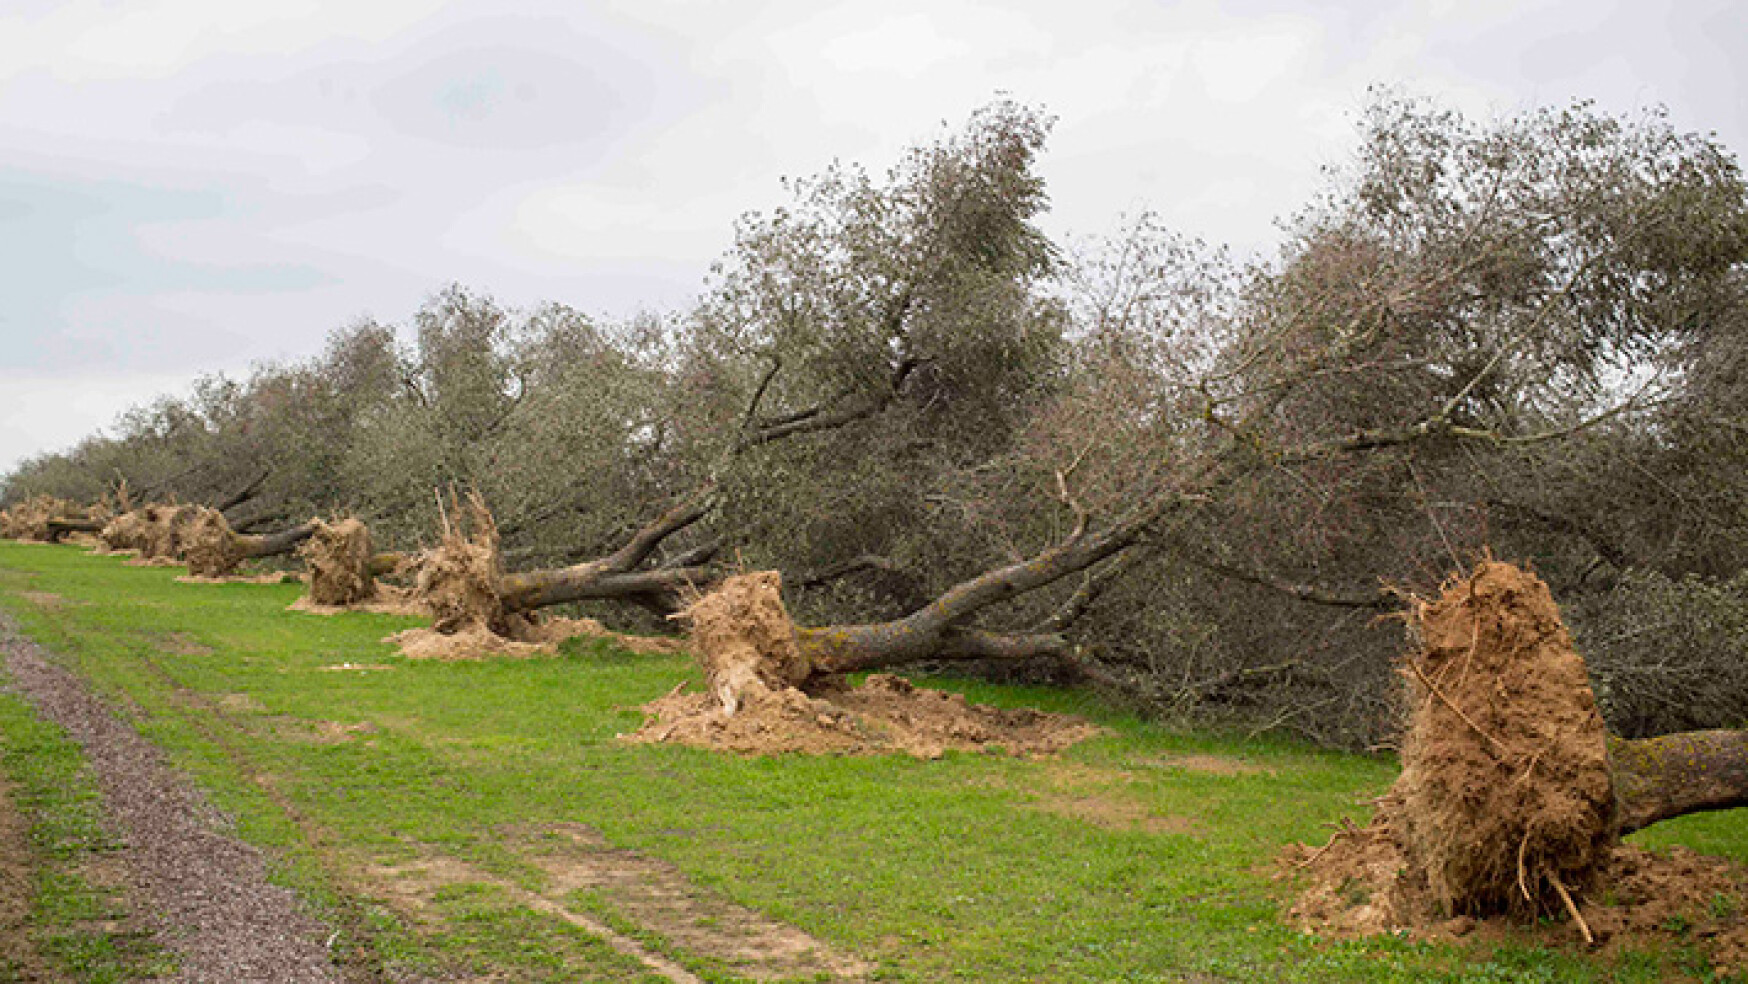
point(188, 186)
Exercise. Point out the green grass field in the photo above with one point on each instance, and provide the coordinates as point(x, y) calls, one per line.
point(419, 806)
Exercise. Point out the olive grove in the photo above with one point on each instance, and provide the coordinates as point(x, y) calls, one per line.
point(1132, 458)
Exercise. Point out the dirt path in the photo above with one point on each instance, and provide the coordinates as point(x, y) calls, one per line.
point(205, 891)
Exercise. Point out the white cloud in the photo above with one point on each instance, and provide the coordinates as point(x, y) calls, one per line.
point(195, 183)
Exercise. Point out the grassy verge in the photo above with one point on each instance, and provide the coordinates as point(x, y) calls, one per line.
point(76, 926)
point(1143, 855)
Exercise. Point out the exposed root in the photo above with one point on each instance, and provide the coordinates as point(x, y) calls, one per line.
point(460, 581)
point(745, 640)
point(1511, 690)
point(1572, 909)
point(29, 520)
point(338, 557)
point(208, 545)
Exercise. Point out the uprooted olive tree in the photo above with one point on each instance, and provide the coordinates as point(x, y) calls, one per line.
point(1513, 796)
point(198, 536)
point(212, 549)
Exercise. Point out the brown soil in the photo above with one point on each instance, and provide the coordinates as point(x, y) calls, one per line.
point(476, 641)
point(756, 703)
point(536, 637)
point(387, 599)
point(306, 732)
point(180, 644)
point(271, 577)
point(209, 546)
point(1214, 765)
point(44, 599)
point(655, 895)
point(338, 557)
point(1504, 810)
point(886, 714)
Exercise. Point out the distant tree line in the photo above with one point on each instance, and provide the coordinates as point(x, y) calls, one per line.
point(1203, 483)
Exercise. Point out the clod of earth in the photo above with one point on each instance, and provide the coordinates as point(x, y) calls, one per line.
point(764, 695)
point(343, 565)
point(1512, 798)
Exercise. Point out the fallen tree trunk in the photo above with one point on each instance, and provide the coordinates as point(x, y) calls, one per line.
point(60, 529)
point(212, 549)
point(463, 583)
point(1657, 779)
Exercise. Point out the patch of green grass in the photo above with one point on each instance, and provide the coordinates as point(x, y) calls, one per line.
point(963, 868)
point(78, 927)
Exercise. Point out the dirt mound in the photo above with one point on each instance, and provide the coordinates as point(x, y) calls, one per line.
point(270, 577)
point(886, 714)
point(338, 557)
point(756, 702)
point(388, 600)
point(475, 641)
point(1505, 806)
point(209, 546)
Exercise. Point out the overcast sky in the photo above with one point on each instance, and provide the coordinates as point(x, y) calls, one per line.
point(189, 186)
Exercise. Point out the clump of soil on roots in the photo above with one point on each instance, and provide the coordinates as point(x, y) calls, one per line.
point(154, 531)
point(1505, 807)
point(762, 696)
point(338, 556)
point(29, 520)
point(209, 546)
point(459, 582)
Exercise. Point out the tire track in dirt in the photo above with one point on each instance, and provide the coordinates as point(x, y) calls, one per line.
point(785, 952)
point(205, 891)
point(652, 894)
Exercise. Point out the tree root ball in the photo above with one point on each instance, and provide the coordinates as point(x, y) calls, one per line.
point(208, 544)
point(338, 557)
point(745, 639)
point(460, 581)
point(765, 698)
point(29, 520)
point(1506, 792)
point(1505, 805)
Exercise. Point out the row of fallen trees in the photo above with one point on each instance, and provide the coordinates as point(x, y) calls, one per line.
point(1513, 797)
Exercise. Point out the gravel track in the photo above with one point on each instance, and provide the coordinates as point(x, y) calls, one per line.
point(204, 891)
